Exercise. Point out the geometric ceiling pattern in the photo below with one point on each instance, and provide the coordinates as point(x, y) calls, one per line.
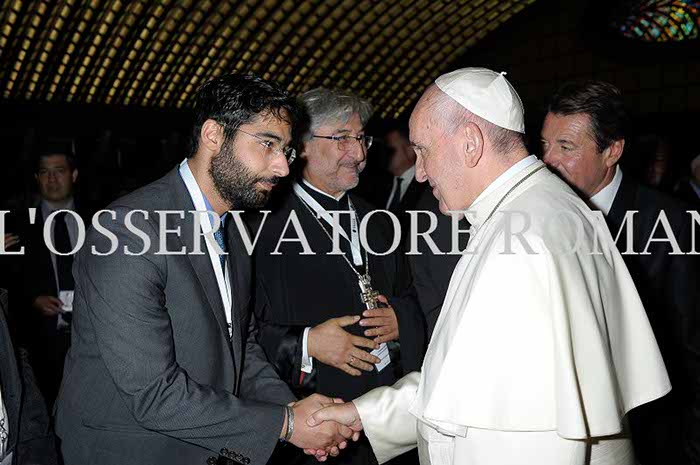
point(660, 20)
point(157, 53)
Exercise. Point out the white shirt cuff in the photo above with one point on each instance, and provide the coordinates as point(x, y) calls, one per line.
point(307, 363)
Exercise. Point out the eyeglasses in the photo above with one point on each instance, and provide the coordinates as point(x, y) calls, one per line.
point(346, 141)
point(289, 153)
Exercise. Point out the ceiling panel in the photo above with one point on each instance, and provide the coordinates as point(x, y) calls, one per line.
point(157, 53)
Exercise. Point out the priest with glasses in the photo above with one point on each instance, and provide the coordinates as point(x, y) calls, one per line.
point(325, 322)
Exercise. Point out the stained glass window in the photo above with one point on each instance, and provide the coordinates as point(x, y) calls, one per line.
point(661, 20)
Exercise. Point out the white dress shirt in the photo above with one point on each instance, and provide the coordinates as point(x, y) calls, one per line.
point(407, 178)
point(71, 223)
point(603, 200)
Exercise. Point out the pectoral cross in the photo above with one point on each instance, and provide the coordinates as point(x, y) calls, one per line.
point(368, 295)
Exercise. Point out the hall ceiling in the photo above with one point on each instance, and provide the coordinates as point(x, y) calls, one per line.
point(157, 53)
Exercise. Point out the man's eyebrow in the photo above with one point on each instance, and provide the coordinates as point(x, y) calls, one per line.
point(566, 141)
point(269, 135)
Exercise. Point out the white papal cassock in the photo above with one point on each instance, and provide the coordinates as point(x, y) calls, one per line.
point(542, 346)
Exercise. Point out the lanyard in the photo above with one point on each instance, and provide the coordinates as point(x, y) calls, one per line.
point(354, 238)
point(223, 280)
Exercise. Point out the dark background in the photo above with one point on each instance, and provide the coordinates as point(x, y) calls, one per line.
point(548, 43)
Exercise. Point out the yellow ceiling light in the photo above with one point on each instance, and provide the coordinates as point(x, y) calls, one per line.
point(147, 53)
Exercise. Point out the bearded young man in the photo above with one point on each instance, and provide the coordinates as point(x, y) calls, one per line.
point(541, 347)
point(165, 368)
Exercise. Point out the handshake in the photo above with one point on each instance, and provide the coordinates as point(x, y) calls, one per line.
point(320, 425)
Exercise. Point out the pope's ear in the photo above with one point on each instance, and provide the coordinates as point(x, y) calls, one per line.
point(612, 154)
point(473, 144)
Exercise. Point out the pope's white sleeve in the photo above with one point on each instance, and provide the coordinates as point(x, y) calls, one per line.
point(387, 423)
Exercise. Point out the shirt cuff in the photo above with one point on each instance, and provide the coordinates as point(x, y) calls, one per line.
point(307, 363)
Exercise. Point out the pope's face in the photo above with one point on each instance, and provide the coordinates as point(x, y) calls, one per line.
point(438, 161)
point(332, 166)
point(570, 150)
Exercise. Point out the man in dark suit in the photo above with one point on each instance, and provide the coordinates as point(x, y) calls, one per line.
point(583, 139)
point(405, 190)
point(47, 279)
point(25, 435)
point(431, 270)
point(164, 366)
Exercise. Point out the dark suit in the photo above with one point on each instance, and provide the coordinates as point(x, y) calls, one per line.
point(152, 376)
point(30, 439)
point(666, 431)
point(408, 202)
point(431, 272)
point(46, 343)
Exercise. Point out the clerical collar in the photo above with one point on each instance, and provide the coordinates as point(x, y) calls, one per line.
point(486, 205)
point(326, 200)
point(603, 200)
point(316, 189)
point(503, 178)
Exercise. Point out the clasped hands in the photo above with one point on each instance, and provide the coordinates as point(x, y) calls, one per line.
point(331, 344)
point(323, 426)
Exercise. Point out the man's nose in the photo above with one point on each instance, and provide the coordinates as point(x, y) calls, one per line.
point(280, 167)
point(549, 157)
point(359, 152)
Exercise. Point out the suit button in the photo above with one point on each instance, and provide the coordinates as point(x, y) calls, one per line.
point(246, 460)
point(211, 461)
point(223, 451)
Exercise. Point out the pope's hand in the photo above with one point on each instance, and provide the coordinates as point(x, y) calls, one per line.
point(339, 413)
point(326, 438)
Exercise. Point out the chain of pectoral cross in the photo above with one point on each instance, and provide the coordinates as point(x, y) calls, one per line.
point(368, 295)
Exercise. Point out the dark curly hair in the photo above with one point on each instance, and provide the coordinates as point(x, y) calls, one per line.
point(236, 99)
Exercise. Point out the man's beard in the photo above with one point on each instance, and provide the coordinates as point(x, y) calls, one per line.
point(235, 182)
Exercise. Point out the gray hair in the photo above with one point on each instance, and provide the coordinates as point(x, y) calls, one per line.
point(450, 116)
point(325, 106)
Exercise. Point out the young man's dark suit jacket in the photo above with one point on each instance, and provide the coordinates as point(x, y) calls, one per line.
point(667, 430)
point(152, 377)
point(31, 440)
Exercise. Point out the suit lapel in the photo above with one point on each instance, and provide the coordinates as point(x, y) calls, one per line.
point(239, 268)
point(201, 263)
point(410, 198)
point(623, 202)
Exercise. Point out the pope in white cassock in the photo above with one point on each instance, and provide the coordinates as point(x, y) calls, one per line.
point(543, 345)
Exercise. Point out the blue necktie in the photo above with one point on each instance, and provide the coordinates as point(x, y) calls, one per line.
point(219, 236)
